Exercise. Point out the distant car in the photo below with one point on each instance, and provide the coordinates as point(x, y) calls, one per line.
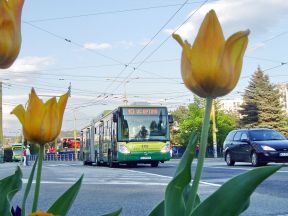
point(258, 146)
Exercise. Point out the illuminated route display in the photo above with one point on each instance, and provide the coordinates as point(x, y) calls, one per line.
point(144, 111)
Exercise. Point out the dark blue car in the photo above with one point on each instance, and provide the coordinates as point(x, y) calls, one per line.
point(258, 146)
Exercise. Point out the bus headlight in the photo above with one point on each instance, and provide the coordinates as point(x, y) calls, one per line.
point(123, 149)
point(166, 148)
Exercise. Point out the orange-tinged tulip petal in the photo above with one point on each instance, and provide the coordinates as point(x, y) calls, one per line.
point(41, 122)
point(211, 66)
point(10, 31)
point(207, 47)
point(61, 106)
point(19, 111)
point(34, 116)
point(39, 213)
point(50, 126)
point(232, 59)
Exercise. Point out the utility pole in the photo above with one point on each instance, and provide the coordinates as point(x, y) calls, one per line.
point(75, 135)
point(214, 129)
point(1, 127)
point(125, 99)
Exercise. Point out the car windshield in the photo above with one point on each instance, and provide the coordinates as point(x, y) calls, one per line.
point(261, 135)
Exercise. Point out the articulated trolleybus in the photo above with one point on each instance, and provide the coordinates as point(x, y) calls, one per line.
point(129, 135)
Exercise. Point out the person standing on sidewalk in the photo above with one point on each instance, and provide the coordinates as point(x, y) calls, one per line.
point(24, 156)
point(27, 155)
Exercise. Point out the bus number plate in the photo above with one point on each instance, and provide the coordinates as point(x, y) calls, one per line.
point(145, 158)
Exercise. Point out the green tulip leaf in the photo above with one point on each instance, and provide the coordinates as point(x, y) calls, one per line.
point(158, 210)
point(174, 199)
point(62, 205)
point(27, 189)
point(233, 197)
point(9, 186)
point(186, 194)
point(116, 213)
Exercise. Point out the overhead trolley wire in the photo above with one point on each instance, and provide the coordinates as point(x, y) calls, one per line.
point(109, 12)
point(158, 47)
point(143, 48)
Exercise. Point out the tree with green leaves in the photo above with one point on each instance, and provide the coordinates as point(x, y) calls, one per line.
point(190, 119)
point(261, 105)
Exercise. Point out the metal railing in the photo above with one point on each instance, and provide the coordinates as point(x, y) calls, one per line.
point(63, 156)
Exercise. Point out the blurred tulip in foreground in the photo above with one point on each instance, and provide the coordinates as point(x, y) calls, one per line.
point(10, 31)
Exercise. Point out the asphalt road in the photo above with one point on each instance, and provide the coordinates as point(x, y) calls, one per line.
point(138, 190)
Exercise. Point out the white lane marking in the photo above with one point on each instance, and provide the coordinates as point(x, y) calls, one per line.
point(239, 168)
point(101, 183)
point(201, 182)
point(152, 174)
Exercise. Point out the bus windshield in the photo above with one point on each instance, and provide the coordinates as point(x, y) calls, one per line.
point(144, 126)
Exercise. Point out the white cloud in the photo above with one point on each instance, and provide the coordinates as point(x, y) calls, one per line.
point(31, 64)
point(146, 42)
point(256, 46)
point(97, 46)
point(259, 16)
point(169, 31)
point(126, 44)
point(24, 67)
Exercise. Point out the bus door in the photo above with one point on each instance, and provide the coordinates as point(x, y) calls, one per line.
point(88, 146)
point(114, 141)
point(101, 140)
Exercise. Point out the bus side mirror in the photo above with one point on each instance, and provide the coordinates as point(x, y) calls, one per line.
point(170, 119)
point(115, 117)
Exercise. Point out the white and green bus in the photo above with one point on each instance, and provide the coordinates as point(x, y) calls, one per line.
point(17, 149)
point(129, 135)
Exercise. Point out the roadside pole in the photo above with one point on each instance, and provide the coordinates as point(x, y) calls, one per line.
point(214, 129)
point(1, 128)
point(75, 135)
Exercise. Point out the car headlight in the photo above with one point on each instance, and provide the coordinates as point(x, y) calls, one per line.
point(166, 148)
point(267, 148)
point(123, 149)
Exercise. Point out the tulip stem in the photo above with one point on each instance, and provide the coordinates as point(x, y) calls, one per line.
point(202, 152)
point(38, 177)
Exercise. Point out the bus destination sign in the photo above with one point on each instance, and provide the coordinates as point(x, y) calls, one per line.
point(143, 111)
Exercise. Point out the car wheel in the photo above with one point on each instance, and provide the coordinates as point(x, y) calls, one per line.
point(228, 160)
point(254, 159)
point(113, 164)
point(155, 164)
point(97, 163)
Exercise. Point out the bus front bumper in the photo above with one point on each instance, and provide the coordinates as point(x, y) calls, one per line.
point(141, 157)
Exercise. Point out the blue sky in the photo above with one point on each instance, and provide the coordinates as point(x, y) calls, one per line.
point(99, 45)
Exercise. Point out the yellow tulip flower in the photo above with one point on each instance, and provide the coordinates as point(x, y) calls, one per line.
point(211, 67)
point(41, 122)
point(39, 213)
point(10, 31)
